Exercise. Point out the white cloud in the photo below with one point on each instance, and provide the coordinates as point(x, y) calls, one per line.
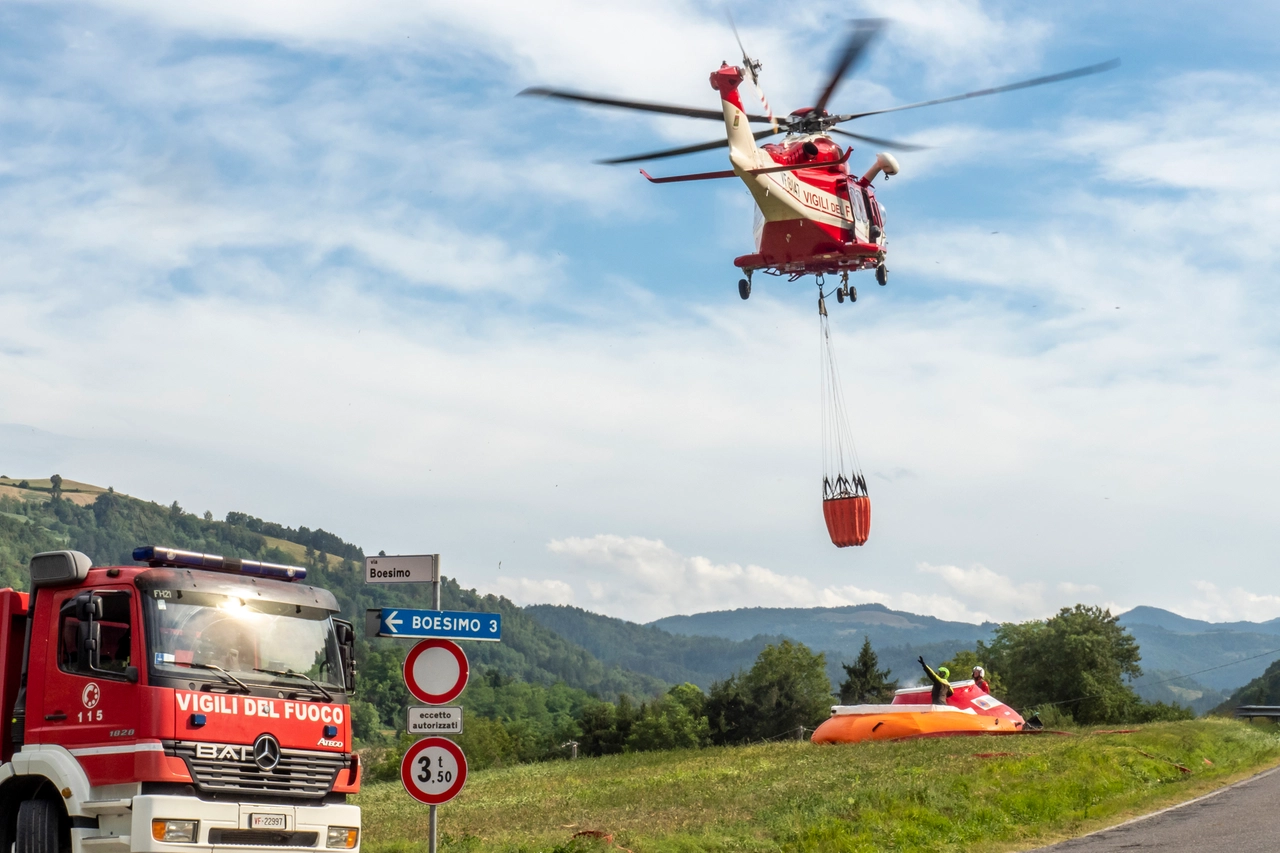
point(1217, 604)
point(643, 579)
point(528, 591)
point(250, 282)
point(997, 593)
point(964, 41)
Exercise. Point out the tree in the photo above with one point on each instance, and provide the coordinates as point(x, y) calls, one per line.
point(1077, 661)
point(786, 688)
point(364, 720)
point(691, 697)
point(865, 683)
point(599, 724)
point(55, 487)
point(672, 722)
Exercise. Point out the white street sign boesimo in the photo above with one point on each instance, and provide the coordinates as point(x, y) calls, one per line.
point(422, 568)
point(434, 720)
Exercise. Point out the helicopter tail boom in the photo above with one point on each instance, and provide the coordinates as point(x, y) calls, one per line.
point(742, 143)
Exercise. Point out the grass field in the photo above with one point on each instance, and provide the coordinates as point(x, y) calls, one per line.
point(971, 794)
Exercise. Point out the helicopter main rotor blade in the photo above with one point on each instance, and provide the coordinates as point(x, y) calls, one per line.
point(883, 143)
point(676, 152)
point(864, 31)
point(1025, 84)
point(644, 106)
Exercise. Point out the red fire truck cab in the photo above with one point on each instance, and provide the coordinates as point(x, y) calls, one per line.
point(190, 704)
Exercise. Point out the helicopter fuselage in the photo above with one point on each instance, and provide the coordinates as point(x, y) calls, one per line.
point(815, 219)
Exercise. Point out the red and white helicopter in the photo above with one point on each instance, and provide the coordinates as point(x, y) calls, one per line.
point(814, 217)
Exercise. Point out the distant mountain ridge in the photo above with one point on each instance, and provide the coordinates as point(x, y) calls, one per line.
point(840, 628)
point(1170, 621)
point(1173, 646)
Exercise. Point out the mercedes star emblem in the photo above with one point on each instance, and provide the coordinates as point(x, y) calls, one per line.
point(266, 752)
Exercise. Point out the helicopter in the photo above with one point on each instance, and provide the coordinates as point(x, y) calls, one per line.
point(813, 216)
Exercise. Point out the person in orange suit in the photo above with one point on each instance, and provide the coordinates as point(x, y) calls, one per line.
point(980, 679)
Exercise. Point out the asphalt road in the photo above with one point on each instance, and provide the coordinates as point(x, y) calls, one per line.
point(1242, 818)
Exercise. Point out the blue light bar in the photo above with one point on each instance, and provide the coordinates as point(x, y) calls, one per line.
point(155, 555)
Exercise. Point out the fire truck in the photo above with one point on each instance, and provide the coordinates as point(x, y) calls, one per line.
point(189, 704)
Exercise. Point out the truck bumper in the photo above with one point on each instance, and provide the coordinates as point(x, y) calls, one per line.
point(227, 826)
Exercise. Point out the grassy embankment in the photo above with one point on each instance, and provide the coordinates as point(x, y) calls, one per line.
point(921, 795)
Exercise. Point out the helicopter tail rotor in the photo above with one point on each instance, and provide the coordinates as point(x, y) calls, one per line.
point(753, 67)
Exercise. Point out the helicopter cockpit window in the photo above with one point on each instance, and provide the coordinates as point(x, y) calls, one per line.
point(859, 210)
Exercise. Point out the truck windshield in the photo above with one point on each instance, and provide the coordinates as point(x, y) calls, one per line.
point(193, 632)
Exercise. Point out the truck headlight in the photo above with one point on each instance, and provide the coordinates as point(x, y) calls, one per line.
point(175, 831)
point(342, 836)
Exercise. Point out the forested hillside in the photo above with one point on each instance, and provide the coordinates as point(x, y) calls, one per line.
point(1207, 659)
point(1263, 690)
point(702, 660)
point(651, 650)
point(110, 526)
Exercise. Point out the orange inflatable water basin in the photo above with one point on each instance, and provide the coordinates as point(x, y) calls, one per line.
point(969, 711)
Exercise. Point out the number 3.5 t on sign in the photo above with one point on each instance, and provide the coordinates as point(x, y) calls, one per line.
point(433, 770)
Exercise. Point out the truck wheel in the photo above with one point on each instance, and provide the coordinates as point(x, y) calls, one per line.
point(37, 828)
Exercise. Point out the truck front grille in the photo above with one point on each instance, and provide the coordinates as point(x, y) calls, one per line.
point(263, 838)
point(300, 773)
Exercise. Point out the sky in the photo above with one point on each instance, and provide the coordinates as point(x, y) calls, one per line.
point(317, 263)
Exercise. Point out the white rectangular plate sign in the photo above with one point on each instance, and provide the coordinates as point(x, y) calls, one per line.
point(420, 568)
point(434, 720)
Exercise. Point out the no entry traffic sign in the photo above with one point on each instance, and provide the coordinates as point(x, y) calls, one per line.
point(433, 770)
point(436, 671)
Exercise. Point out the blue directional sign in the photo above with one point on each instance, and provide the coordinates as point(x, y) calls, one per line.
point(440, 623)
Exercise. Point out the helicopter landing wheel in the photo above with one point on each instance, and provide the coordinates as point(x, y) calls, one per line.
point(839, 294)
point(853, 293)
point(744, 288)
point(882, 275)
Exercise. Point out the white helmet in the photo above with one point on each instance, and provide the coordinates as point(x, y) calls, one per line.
point(979, 672)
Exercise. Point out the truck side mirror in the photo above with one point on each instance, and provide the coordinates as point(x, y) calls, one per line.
point(87, 609)
point(346, 636)
point(131, 674)
point(89, 636)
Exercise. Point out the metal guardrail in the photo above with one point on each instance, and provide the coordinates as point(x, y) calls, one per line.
point(1251, 711)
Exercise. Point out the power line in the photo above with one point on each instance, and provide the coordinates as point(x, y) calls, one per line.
point(1163, 681)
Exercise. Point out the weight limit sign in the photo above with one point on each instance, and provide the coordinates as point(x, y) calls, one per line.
point(433, 770)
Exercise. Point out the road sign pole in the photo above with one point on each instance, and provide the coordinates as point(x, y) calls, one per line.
point(431, 815)
point(434, 769)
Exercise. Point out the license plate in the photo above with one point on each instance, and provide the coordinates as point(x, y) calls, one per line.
point(266, 821)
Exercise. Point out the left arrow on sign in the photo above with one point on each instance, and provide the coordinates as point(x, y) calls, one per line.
point(392, 621)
